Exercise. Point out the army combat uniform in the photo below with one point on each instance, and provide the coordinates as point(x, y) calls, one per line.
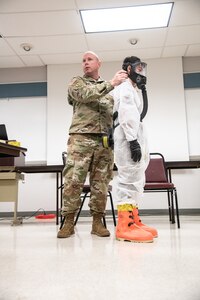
point(92, 117)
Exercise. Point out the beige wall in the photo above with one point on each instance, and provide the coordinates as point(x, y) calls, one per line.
point(165, 122)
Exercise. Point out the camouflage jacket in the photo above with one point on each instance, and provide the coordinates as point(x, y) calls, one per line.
point(92, 105)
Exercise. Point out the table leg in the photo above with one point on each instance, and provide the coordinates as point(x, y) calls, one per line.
point(61, 188)
point(57, 198)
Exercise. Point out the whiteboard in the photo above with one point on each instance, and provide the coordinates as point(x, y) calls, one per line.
point(192, 99)
point(25, 120)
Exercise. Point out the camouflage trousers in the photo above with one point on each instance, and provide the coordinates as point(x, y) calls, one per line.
point(85, 153)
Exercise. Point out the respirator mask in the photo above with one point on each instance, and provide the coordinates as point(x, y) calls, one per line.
point(138, 74)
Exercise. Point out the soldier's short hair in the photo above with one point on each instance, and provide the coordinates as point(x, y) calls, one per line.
point(93, 53)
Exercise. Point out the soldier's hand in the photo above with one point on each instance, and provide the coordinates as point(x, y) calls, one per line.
point(119, 77)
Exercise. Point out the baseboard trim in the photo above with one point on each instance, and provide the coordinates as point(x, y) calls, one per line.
point(86, 213)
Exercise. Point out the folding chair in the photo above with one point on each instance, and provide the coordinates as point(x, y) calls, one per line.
point(157, 181)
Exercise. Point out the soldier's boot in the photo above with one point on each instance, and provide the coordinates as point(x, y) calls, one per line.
point(127, 230)
point(139, 223)
point(97, 226)
point(68, 227)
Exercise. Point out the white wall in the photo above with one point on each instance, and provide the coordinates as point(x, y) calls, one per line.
point(192, 98)
point(25, 120)
point(59, 112)
point(165, 122)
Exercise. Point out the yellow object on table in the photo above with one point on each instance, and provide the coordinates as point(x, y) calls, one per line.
point(14, 143)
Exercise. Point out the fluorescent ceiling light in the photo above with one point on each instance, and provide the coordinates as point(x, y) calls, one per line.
point(126, 18)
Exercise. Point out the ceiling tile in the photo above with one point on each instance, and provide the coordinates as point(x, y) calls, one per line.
point(118, 55)
point(69, 58)
point(36, 5)
point(185, 13)
point(150, 53)
point(183, 35)
point(193, 50)
point(120, 40)
point(50, 44)
point(40, 23)
point(11, 62)
point(174, 51)
point(32, 60)
point(5, 50)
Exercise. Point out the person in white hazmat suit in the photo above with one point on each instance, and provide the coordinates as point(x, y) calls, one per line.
point(131, 153)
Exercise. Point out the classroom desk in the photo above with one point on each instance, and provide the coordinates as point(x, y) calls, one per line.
point(47, 169)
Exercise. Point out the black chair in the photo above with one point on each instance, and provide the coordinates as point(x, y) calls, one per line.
point(157, 181)
point(86, 194)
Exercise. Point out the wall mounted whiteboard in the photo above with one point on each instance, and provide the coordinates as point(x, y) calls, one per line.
point(25, 120)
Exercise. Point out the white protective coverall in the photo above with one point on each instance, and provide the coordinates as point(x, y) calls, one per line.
point(131, 175)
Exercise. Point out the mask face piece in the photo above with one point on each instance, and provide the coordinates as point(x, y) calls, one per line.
point(137, 74)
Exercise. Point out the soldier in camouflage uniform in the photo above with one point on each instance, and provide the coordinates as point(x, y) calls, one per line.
point(92, 117)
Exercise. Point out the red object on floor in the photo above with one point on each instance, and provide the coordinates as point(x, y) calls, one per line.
point(48, 216)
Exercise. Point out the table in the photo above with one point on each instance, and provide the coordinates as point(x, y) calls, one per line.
point(8, 177)
point(47, 169)
point(7, 150)
point(190, 164)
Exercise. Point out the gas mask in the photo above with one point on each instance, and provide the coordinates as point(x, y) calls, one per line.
point(137, 74)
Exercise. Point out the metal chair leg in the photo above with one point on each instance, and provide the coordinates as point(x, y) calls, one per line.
point(79, 211)
point(169, 206)
point(177, 210)
point(112, 206)
point(172, 202)
point(62, 222)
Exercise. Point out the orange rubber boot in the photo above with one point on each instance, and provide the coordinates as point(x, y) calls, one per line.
point(126, 230)
point(139, 223)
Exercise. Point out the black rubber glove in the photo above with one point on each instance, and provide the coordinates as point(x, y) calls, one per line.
point(136, 153)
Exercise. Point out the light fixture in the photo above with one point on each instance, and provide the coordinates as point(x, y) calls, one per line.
point(27, 47)
point(126, 18)
point(133, 41)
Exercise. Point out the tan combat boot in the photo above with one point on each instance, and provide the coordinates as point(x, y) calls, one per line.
point(98, 227)
point(68, 227)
